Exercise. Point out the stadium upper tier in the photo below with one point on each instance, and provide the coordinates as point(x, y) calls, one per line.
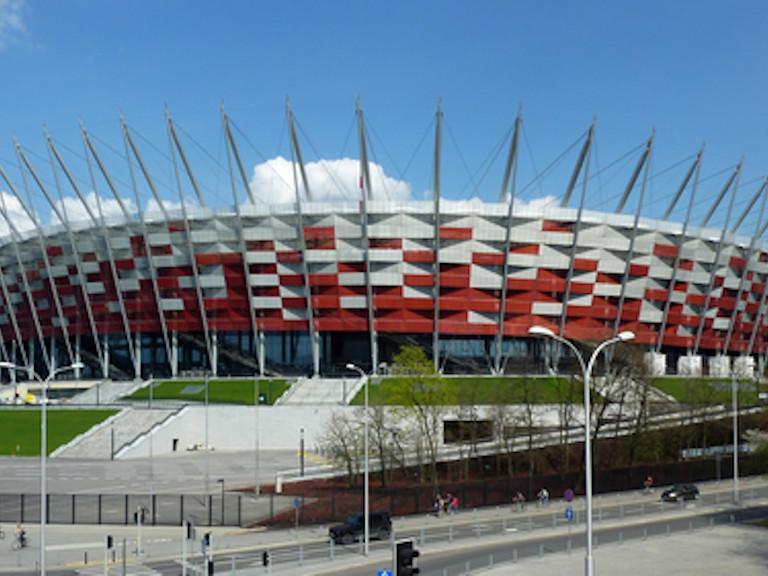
point(210, 271)
point(310, 286)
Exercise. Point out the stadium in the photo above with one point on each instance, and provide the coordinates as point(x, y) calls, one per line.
point(306, 287)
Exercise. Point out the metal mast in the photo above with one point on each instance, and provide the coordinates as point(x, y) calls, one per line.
point(679, 244)
point(510, 176)
point(297, 157)
point(731, 184)
point(232, 150)
point(631, 250)
point(131, 147)
point(584, 159)
point(90, 153)
point(64, 219)
point(747, 258)
point(367, 194)
point(436, 219)
point(176, 147)
point(15, 237)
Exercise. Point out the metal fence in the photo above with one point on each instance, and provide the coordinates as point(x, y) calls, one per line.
point(157, 510)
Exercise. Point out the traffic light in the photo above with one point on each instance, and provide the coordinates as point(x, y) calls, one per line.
point(405, 553)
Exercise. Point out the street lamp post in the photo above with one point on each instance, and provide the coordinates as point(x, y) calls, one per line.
point(43, 443)
point(735, 409)
point(589, 562)
point(366, 501)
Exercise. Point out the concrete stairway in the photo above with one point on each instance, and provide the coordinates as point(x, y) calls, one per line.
point(127, 426)
point(107, 392)
point(321, 391)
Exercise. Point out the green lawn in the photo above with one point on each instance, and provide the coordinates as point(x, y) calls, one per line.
point(709, 390)
point(219, 391)
point(20, 428)
point(483, 390)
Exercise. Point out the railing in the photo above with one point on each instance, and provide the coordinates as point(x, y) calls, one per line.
point(235, 509)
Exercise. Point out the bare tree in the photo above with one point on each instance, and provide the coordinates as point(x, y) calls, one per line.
point(342, 438)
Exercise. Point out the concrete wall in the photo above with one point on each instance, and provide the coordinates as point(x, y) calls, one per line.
point(234, 427)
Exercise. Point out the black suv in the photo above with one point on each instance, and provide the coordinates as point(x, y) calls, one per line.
point(680, 492)
point(353, 529)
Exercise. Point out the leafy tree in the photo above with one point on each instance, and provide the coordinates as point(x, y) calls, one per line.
point(421, 396)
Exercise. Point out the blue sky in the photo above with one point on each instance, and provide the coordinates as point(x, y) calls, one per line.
point(696, 71)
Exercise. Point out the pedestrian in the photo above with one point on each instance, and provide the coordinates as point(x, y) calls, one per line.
point(21, 535)
point(454, 506)
point(438, 507)
point(543, 497)
point(648, 484)
point(447, 502)
point(519, 499)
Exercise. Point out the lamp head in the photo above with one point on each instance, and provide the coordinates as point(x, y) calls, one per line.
point(626, 336)
point(540, 331)
point(351, 366)
point(9, 365)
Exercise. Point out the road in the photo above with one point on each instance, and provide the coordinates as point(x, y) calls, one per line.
point(477, 537)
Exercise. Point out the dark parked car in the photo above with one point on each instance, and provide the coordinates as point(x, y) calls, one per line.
point(680, 492)
point(353, 528)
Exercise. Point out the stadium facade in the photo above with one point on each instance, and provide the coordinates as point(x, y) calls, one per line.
point(307, 287)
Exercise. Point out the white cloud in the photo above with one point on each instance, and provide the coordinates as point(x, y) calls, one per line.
point(338, 179)
point(11, 20)
point(76, 212)
point(13, 209)
point(153, 208)
point(537, 204)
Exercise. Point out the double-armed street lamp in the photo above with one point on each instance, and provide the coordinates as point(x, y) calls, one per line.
point(586, 369)
point(43, 442)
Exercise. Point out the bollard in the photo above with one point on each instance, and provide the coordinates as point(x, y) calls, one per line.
point(85, 556)
point(233, 566)
point(668, 530)
point(712, 522)
point(530, 522)
point(690, 525)
point(450, 533)
point(621, 537)
point(466, 567)
point(490, 561)
point(423, 537)
point(733, 518)
point(504, 525)
point(541, 550)
point(621, 511)
point(301, 555)
point(514, 555)
point(645, 533)
point(331, 549)
point(554, 521)
point(569, 545)
point(445, 571)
